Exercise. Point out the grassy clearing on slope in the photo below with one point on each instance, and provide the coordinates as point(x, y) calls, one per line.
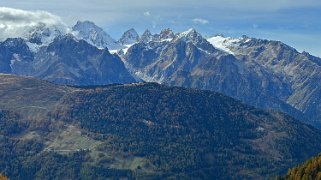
point(71, 140)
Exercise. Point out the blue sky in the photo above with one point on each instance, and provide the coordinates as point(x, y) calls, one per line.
point(295, 22)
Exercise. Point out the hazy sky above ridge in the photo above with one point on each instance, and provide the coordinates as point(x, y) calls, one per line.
point(294, 22)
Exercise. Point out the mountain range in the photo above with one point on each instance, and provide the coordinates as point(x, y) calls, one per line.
point(263, 73)
point(78, 104)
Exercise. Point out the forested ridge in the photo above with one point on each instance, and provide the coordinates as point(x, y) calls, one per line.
point(142, 131)
point(311, 169)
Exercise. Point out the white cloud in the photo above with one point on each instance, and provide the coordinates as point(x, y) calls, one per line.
point(147, 13)
point(17, 23)
point(200, 21)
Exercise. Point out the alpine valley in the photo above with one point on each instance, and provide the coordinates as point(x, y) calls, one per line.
point(79, 104)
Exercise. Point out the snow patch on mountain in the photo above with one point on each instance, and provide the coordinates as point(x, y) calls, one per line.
point(127, 46)
point(16, 58)
point(33, 47)
point(224, 43)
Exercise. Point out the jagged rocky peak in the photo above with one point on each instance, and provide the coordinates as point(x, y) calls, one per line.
point(129, 37)
point(190, 33)
point(94, 35)
point(146, 36)
point(166, 34)
point(192, 36)
point(65, 38)
point(86, 27)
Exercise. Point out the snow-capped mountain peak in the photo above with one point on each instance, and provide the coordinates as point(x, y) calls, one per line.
point(192, 36)
point(94, 35)
point(190, 32)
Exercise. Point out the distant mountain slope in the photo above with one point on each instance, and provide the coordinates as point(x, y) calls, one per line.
point(262, 73)
point(143, 130)
point(64, 61)
point(189, 60)
point(68, 61)
point(299, 72)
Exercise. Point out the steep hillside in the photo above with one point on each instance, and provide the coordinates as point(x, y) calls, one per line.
point(29, 97)
point(143, 130)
